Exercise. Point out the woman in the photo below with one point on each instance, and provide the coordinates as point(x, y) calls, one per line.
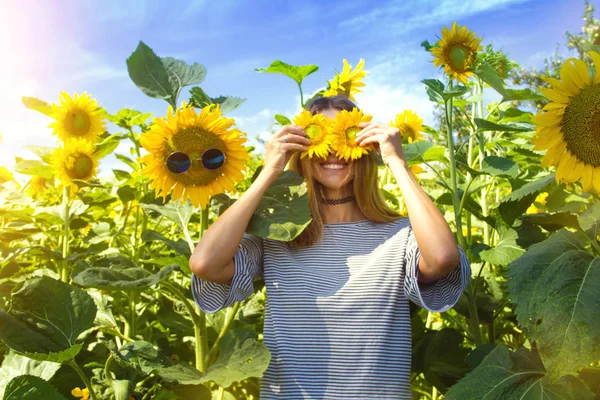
point(337, 319)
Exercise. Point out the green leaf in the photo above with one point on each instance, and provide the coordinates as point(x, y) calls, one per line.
point(148, 72)
point(513, 114)
point(38, 105)
point(506, 250)
point(117, 273)
point(282, 119)
point(521, 95)
point(126, 194)
point(519, 375)
point(436, 153)
point(107, 146)
point(15, 365)
point(440, 357)
point(500, 166)
point(241, 357)
point(43, 152)
point(162, 78)
point(455, 91)
point(46, 316)
point(132, 164)
point(199, 97)
point(589, 221)
point(435, 90)
point(531, 188)
point(552, 222)
point(283, 211)
point(128, 118)
point(28, 387)
point(180, 246)
point(485, 125)
point(297, 73)
point(143, 357)
point(34, 167)
point(220, 203)
point(228, 103)
point(555, 286)
point(178, 213)
point(415, 151)
point(488, 74)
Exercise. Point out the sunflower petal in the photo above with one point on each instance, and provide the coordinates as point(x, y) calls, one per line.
point(596, 179)
point(554, 95)
point(582, 71)
point(587, 178)
point(596, 57)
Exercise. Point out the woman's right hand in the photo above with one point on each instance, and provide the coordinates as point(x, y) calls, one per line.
point(279, 151)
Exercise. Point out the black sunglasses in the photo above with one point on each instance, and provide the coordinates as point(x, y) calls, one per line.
point(179, 162)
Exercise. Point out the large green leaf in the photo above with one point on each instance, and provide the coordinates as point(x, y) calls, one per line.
point(45, 319)
point(506, 250)
point(435, 90)
point(488, 74)
point(520, 375)
point(107, 146)
point(15, 365)
point(521, 95)
point(29, 387)
point(180, 246)
point(283, 211)
point(297, 73)
point(162, 78)
point(555, 287)
point(117, 273)
point(552, 222)
point(228, 103)
point(241, 356)
point(34, 167)
point(500, 166)
point(179, 213)
point(589, 221)
point(440, 357)
point(415, 151)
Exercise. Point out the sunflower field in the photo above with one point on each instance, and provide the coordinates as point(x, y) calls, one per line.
point(95, 299)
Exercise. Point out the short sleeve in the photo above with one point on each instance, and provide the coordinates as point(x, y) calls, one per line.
point(248, 259)
point(439, 295)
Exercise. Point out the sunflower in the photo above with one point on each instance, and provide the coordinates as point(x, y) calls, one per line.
point(344, 130)
point(569, 125)
point(77, 117)
point(193, 134)
point(84, 393)
point(457, 52)
point(37, 186)
point(316, 127)
point(75, 160)
point(410, 126)
point(348, 82)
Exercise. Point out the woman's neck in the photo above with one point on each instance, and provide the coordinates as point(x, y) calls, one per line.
point(345, 212)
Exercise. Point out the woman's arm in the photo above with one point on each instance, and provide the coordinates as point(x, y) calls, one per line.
point(438, 248)
point(212, 258)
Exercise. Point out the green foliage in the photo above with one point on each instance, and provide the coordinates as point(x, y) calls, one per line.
point(297, 73)
point(554, 286)
point(28, 387)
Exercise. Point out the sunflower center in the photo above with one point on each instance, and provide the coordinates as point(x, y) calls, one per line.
point(581, 125)
point(351, 135)
point(78, 123)
point(459, 57)
point(407, 131)
point(194, 141)
point(314, 132)
point(79, 166)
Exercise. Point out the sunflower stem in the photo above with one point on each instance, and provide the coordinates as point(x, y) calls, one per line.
point(482, 154)
point(84, 378)
point(301, 96)
point(453, 180)
point(64, 272)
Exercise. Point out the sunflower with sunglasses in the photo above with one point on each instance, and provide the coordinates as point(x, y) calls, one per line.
point(194, 155)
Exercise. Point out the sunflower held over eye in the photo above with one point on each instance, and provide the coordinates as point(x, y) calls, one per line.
point(77, 117)
point(316, 127)
point(410, 126)
point(348, 82)
point(569, 126)
point(457, 52)
point(344, 130)
point(194, 155)
point(75, 160)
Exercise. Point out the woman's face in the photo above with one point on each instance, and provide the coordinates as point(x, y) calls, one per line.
point(332, 172)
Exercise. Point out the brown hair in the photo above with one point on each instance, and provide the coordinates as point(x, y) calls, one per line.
point(365, 183)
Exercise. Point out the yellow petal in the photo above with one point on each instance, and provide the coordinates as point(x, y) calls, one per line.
point(582, 71)
point(554, 95)
point(549, 118)
point(559, 86)
point(568, 76)
point(596, 57)
point(587, 177)
point(596, 179)
point(562, 167)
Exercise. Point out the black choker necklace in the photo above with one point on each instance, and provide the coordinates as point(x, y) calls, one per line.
point(333, 202)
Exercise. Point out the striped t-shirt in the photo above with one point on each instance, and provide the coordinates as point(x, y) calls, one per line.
point(337, 319)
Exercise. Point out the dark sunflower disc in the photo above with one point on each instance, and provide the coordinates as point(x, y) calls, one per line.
point(178, 162)
point(213, 159)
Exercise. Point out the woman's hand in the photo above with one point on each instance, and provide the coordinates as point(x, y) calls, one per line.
point(387, 140)
point(280, 146)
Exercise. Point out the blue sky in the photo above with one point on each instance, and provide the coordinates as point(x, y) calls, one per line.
point(77, 46)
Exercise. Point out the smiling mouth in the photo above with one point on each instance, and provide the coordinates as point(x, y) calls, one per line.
point(333, 166)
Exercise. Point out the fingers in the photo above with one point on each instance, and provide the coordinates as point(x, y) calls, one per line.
point(289, 129)
point(293, 147)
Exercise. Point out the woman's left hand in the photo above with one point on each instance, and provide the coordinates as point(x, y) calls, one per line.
point(387, 140)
